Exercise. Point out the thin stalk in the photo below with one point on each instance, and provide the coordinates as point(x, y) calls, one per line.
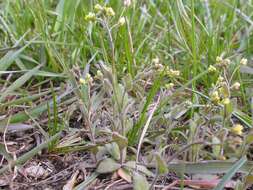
point(154, 180)
point(194, 51)
point(114, 72)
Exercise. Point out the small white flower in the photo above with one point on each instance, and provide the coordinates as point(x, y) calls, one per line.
point(218, 59)
point(121, 21)
point(98, 7)
point(109, 11)
point(155, 60)
point(237, 129)
point(82, 81)
point(99, 74)
point(226, 101)
point(227, 61)
point(236, 86)
point(127, 3)
point(243, 61)
point(169, 86)
point(220, 79)
point(90, 16)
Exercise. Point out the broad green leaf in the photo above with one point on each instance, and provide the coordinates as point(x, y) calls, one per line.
point(231, 173)
point(140, 182)
point(113, 150)
point(107, 165)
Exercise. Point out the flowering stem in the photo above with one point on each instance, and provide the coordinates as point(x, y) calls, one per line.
point(115, 87)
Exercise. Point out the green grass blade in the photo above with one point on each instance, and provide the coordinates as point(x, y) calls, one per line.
point(231, 173)
point(25, 99)
point(19, 82)
point(244, 118)
point(24, 116)
point(133, 134)
point(60, 15)
point(208, 167)
point(89, 180)
point(3, 152)
point(7, 60)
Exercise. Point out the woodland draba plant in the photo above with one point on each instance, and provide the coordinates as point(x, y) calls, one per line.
point(220, 96)
point(223, 101)
point(121, 102)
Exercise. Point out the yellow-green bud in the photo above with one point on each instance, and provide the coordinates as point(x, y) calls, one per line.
point(90, 16)
point(224, 90)
point(220, 79)
point(109, 11)
point(88, 78)
point(159, 66)
point(215, 98)
point(99, 74)
point(212, 69)
point(82, 81)
point(155, 60)
point(188, 103)
point(226, 101)
point(169, 86)
point(227, 62)
point(218, 59)
point(98, 8)
point(173, 73)
point(237, 129)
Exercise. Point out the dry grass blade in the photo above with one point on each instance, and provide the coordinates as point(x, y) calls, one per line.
point(145, 130)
